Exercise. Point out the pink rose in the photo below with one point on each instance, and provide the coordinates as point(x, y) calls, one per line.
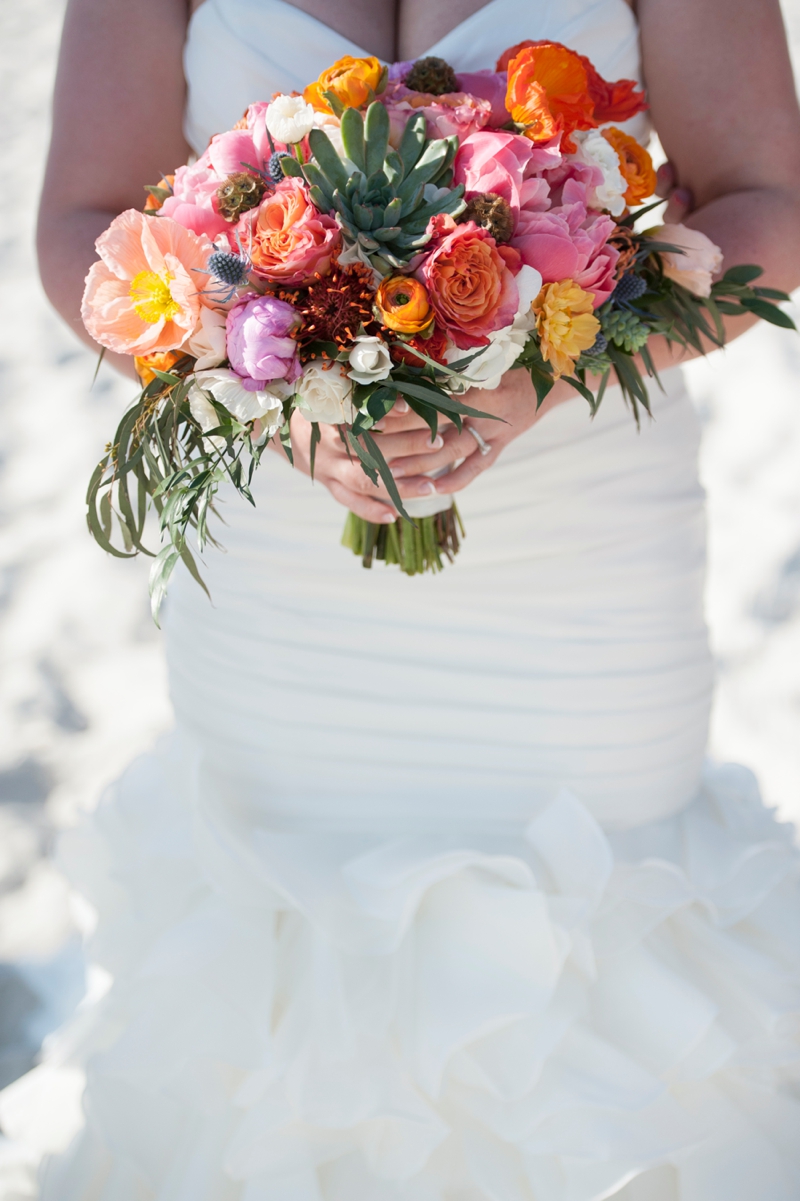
point(453, 113)
point(259, 342)
point(287, 237)
point(569, 243)
point(499, 162)
point(471, 288)
point(694, 269)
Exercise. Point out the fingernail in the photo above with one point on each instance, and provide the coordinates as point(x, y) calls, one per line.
point(426, 489)
point(401, 406)
point(387, 519)
point(683, 196)
point(438, 442)
point(399, 473)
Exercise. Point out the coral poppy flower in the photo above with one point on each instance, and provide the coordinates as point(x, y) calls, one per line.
point(618, 101)
point(635, 164)
point(548, 92)
point(145, 293)
point(354, 82)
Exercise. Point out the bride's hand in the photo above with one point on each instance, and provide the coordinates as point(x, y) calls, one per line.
point(401, 434)
point(514, 402)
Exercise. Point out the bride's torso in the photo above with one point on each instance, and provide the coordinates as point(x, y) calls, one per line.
point(567, 644)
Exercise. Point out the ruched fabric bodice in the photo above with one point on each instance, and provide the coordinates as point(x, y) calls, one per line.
point(565, 648)
point(424, 899)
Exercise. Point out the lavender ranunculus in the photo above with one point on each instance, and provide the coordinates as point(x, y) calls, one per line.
point(260, 346)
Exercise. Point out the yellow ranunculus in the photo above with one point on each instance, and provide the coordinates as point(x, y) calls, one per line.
point(566, 324)
point(403, 305)
point(354, 81)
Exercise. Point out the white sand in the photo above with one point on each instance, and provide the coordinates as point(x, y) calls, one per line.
point(82, 680)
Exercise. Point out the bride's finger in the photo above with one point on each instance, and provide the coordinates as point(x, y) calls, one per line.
point(680, 199)
point(416, 443)
point(369, 507)
point(456, 446)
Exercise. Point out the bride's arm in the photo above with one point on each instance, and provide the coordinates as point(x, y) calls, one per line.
point(117, 113)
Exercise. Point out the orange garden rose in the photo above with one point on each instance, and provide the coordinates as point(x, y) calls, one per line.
point(472, 291)
point(354, 81)
point(548, 92)
point(566, 324)
point(161, 360)
point(635, 164)
point(403, 305)
point(146, 292)
point(289, 239)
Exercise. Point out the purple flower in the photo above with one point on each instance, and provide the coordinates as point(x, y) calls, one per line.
point(260, 346)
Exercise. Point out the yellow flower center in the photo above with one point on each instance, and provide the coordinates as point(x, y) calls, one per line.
point(152, 298)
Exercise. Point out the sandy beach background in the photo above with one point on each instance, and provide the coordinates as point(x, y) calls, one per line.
point(82, 679)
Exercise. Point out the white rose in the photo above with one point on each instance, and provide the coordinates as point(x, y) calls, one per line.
point(289, 119)
point(264, 407)
point(325, 396)
point(506, 345)
point(207, 343)
point(369, 360)
point(595, 151)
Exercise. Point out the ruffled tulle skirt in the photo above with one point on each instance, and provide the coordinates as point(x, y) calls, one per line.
point(497, 1012)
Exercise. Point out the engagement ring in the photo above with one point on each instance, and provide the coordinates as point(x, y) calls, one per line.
point(483, 446)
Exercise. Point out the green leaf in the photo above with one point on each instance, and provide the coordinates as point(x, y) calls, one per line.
point(745, 273)
point(385, 474)
point(315, 434)
point(769, 312)
point(100, 358)
point(634, 216)
point(290, 166)
point(771, 294)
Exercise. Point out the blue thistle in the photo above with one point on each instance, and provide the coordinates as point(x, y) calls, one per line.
point(230, 269)
point(629, 288)
point(274, 168)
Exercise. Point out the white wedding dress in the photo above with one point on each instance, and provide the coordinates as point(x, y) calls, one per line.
point(430, 897)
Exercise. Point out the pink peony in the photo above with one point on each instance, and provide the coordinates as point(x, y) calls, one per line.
point(453, 113)
point(193, 203)
point(569, 243)
point(499, 162)
point(287, 237)
point(260, 346)
point(471, 288)
point(491, 86)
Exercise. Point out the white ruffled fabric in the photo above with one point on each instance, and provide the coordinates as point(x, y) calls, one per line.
point(498, 1012)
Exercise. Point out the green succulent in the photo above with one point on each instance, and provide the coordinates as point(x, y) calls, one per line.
point(623, 328)
point(382, 205)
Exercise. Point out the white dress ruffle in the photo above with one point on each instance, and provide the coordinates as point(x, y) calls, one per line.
point(537, 1012)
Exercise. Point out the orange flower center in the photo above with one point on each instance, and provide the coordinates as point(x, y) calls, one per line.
point(152, 299)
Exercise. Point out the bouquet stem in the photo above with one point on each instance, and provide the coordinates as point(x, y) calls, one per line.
point(414, 548)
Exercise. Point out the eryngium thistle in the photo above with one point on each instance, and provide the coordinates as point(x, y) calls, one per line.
point(239, 193)
point(432, 75)
point(599, 347)
point(492, 213)
point(274, 167)
point(629, 288)
point(230, 269)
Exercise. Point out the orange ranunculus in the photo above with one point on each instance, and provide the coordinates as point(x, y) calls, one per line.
point(548, 91)
point(618, 101)
point(403, 305)
point(354, 81)
point(162, 360)
point(635, 164)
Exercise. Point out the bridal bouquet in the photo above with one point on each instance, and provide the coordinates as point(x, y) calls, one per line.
point(409, 231)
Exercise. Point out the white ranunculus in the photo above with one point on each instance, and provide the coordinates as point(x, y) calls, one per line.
point(263, 407)
point(207, 343)
point(325, 395)
point(369, 360)
point(595, 151)
point(506, 345)
point(289, 119)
